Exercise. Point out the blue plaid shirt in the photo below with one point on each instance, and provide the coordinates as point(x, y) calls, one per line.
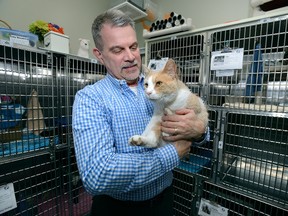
point(105, 115)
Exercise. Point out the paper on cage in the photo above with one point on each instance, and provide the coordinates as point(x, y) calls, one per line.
point(208, 208)
point(7, 198)
point(157, 64)
point(227, 60)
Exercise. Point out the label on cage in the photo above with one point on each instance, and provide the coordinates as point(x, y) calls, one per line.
point(19, 40)
point(208, 208)
point(157, 65)
point(220, 145)
point(227, 60)
point(7, 198)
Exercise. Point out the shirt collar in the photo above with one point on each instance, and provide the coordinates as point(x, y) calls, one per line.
point(122, 83)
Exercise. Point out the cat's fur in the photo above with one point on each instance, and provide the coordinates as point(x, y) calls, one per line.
point(168, 94)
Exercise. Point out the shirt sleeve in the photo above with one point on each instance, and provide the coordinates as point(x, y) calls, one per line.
point(102, 168)
point(206, 138)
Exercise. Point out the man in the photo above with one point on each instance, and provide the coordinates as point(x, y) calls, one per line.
point(124, 179)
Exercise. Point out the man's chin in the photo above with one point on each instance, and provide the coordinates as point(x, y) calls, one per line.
point(132, 76)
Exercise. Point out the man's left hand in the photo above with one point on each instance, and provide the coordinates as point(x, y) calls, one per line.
point(184, 124)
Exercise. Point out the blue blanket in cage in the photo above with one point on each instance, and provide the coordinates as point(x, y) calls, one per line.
point(10, 115)
point(29, 142)
point(195, 163)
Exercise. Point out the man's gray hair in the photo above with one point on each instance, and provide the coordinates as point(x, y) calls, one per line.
point(115, 18)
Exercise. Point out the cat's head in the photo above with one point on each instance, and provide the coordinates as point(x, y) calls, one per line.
point(162, 85)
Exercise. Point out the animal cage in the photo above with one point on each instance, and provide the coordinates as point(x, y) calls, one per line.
point(26, 93)
point(254, 143)
point(255, 156)
point(261, 81)
point(247, 102)
point(37, 90)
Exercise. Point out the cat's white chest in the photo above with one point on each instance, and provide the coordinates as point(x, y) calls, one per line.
point(181, 100)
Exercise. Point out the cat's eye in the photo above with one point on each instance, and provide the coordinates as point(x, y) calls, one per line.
point(145, 85)
point(158, 83)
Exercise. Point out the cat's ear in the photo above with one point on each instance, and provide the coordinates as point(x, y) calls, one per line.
point(171, 68)
point(145, 69)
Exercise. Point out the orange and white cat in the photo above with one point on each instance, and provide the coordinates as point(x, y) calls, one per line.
point(168, 93)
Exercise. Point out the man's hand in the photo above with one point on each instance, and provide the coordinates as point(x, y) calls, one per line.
point(184, 124)
point(182, 147)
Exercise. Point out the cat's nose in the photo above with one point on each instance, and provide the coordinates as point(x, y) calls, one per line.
point(148, 92)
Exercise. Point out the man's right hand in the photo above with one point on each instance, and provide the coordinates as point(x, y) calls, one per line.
point(182, 147)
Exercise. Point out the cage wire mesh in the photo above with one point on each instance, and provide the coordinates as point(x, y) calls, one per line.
point(255, 156)
point(239, 203)
point(184, 192)
point(37, 91)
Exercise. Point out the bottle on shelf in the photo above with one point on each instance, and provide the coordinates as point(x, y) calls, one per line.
point(175, 16)
point(169, 22)
point(169, 25)
point(177, 22)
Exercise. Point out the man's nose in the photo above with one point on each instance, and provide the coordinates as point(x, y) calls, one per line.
point(129, 55)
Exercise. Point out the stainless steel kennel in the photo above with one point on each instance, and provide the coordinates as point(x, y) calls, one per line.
point(246, 163)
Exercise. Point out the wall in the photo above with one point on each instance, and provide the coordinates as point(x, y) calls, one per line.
point(74, 16)
point(77, 16)
point(205, 13)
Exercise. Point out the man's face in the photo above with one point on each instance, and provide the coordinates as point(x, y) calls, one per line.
point(120, 54)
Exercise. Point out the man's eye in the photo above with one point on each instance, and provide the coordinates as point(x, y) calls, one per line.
point(116, 51)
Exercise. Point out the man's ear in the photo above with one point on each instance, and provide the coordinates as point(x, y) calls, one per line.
point(98, 55)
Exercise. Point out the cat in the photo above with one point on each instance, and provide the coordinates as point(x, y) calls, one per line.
point(168, 93)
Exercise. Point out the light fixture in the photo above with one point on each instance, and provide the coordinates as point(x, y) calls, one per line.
point(131, 9)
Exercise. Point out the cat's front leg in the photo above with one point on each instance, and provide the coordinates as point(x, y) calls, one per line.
point(167, 112)
point(150, 138)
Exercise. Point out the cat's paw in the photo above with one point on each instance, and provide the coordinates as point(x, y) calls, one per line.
point(136, 140)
